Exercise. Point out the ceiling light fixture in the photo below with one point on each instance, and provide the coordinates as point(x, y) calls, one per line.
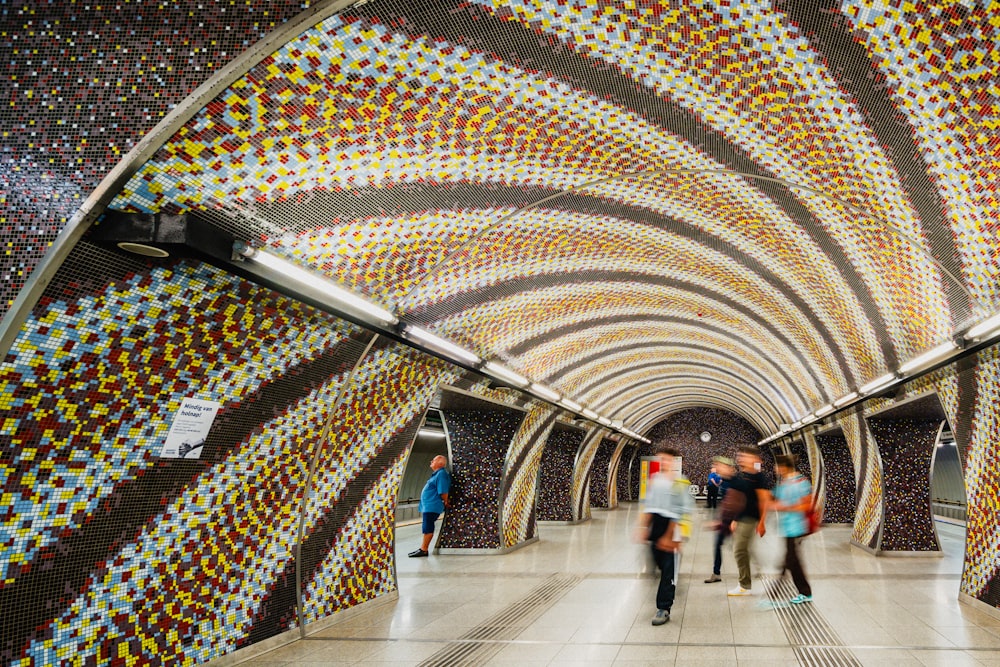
point(825, 410)
point(929, 357)
point(544, 392)
point(445, 347)
point(988, 328)
point(845, 399)
point(571, 405)
point(877, 384)
point(505, 374)
point(316, 286)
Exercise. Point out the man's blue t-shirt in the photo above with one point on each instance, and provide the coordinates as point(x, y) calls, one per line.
point(714, 479)
point(430, 497)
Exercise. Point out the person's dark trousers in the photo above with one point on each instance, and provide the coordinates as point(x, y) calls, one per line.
point(666, 561)
point(720, 537)
point(794, 565)
point(713, 496)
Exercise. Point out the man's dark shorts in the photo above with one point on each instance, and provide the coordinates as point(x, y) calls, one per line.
point(429, 519)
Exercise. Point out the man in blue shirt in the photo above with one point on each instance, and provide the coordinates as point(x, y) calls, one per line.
point(433, 501)
point(714, 482)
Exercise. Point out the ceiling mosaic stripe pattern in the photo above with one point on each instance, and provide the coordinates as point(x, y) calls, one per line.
point(506, 172)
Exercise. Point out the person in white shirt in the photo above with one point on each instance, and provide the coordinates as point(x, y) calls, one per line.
point(665, 519)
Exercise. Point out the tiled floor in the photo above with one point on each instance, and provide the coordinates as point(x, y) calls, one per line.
point(584, 595)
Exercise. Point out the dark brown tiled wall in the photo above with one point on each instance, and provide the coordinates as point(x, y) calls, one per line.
point(555, 481)
point(479, 442)
point(682, 431)
point(906, 447)
point(83, 83)
point(841, 488)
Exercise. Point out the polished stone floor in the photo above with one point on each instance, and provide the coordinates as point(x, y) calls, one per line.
point(584, 595)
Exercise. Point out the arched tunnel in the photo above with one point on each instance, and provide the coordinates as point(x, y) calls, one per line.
point(252, 250)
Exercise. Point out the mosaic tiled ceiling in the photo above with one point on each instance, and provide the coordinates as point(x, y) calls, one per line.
point(645, 205)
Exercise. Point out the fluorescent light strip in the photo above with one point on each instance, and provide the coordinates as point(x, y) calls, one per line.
point(604, 420)
point(572, 405)
point(342, 298)
point(877, 383)
point(505, 374)
point(845, 399)
point(929, 357)
point(985, 329)
point(824, 411)
point(446, 347)
point(545, 392)
point(427, 433)
point(589, 414)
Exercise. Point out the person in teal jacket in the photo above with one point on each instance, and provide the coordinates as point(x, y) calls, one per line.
point(792, 499)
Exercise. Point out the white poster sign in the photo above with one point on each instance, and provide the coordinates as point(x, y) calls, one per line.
point(189, 429)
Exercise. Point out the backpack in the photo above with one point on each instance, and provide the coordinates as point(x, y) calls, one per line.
point(814, 517)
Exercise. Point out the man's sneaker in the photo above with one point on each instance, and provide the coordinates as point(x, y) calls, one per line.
point(799, 599)
point(739, 590)
point(662, 616)
point(419, 553)
point(714, 578)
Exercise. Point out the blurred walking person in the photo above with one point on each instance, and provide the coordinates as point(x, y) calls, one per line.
point(792, 501)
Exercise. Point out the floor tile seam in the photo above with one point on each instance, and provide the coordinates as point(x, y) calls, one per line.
point(492, 576)
point(546, 642)
point(556, 642)
point(900, 576)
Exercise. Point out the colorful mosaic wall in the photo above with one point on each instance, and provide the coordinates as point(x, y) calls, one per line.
point(520, 485)
point(479, 442)
point(388, 147)
point(94, 493)
point(83, 84)
point(839, 480)
point(555, 474)
point(600, 475)
point(683, 430)
point(906, 447)
point(816, 472)
point(868, 468)
point(981, 386)
point(582, 471)
point(347, 551)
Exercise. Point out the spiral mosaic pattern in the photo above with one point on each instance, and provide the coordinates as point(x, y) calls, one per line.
point(521, 476)
point(601, 472)
point(650, 207)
